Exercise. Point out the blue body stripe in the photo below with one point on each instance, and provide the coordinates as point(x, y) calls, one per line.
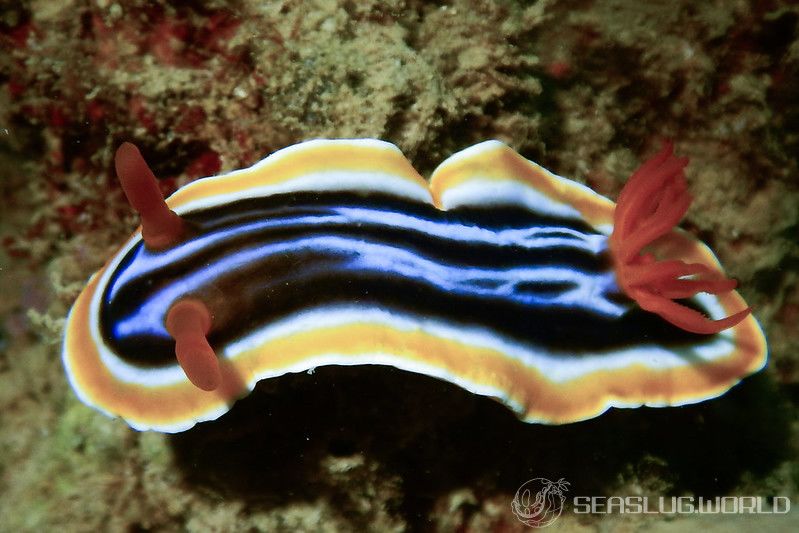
point(535, 279)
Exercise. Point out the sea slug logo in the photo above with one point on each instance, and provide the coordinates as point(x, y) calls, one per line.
point(539, 502)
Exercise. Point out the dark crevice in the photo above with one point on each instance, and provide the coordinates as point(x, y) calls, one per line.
point(436, 438)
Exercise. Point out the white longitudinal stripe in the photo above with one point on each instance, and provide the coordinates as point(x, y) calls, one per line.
point(525, 238)
point(307, 148)
point(329, 359)
point(123, 370)
point(140, 267)
point(71, 371)
point(589, 291)
point(178, 426)
point(387, 359)
point(475, 151)
point(329, 180)
point(557, 368)
point(477, 191)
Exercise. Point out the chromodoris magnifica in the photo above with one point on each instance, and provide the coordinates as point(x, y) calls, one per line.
point(496, 275)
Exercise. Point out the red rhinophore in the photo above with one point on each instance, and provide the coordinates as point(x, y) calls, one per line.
point(188, 321)
point(651, 204)
point(160, 226)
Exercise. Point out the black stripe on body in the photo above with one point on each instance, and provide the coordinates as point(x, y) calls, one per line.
point(307, 250)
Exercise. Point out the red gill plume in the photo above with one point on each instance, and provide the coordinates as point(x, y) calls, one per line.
point(650, 205)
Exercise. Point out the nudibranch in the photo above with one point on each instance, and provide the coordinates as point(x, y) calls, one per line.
point(496, 275)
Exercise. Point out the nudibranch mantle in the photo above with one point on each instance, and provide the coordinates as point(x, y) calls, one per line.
point(496, 275)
